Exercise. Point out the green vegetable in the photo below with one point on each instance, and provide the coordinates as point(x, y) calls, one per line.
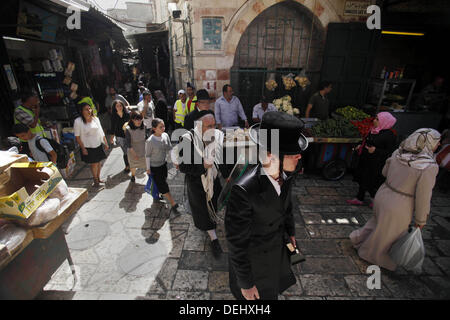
point(333, 128)
point(352, 113)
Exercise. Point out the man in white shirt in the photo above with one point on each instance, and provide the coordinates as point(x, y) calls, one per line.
point(228, 109)
point(261, 108)
point(147, 108)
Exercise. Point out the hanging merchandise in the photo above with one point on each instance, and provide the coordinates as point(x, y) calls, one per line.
point(302, 79)
point(289, 82)
point(94, 58)
point(57, 66)
point(271, 84)
point(69, 69)
point(284, 104)
point(46, 64)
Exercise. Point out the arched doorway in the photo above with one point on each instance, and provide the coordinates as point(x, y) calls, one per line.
point(285, 38)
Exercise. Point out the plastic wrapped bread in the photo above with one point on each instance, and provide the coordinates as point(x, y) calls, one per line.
point(47, 211)
point(12, 236)
point(60, 192)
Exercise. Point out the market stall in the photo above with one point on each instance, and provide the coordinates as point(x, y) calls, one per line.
point(34, 204)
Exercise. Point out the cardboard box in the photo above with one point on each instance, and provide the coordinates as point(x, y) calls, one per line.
point(6, 160)
point(15, 201)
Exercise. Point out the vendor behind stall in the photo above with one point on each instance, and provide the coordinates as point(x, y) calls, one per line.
point(319, 105)
point(261, 108)
point(228, 109)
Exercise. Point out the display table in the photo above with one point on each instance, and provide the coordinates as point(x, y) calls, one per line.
point(29, 268)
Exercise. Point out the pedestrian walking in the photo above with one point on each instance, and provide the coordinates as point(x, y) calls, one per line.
point(147, 108)
point(201, 174)
point(161, 110)
point(157, 147)
point(119, 117)
point(259, 218)
point(135, 135)
point(90, 136)
point(376, 148)
point(42, 152)
point(410, 177)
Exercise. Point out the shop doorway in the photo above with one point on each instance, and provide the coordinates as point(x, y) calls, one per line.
point(285, 38)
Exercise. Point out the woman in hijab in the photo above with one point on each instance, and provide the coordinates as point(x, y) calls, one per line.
point(410, 176)
point(375, 149)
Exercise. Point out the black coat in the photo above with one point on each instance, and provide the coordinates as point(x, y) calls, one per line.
point(368, 173)
point(190, 119)
point(256, 223)
point(196, 193)
point(161, 111)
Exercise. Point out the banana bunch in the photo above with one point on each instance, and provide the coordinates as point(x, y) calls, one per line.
point(302, 81)
point(289, 83)
point(271, 85)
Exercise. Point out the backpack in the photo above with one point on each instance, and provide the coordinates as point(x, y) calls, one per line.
point(62, 152)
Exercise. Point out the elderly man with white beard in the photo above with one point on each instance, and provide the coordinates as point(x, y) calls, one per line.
point(201, 168)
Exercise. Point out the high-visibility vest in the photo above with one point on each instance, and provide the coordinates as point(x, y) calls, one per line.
point(191, 104)
point(180, 112)
point(39, 129)
point(90, 103)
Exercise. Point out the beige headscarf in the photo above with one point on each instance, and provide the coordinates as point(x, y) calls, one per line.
point(417, 150)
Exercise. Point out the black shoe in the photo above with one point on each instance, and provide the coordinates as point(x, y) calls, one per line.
point(216, 248)
point(133, 179)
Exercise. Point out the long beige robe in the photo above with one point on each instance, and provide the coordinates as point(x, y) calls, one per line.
point(393, 211)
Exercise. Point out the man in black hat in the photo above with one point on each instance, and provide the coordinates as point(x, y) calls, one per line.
point(259, 218)
point(202, 104)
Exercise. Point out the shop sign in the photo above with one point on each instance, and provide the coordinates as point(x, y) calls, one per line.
point(212, 33)
point(356, 8)
point(36, 23)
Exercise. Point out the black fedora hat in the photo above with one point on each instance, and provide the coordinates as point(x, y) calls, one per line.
point(291, 139)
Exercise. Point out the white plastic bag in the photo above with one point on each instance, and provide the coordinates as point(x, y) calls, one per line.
point(409, 251)
point(12, 236)
point(60, 192)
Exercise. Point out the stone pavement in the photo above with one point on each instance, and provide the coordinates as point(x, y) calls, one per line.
point(125, 246)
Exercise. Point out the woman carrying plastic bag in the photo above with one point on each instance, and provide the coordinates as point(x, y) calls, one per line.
point(409, 251)
point(410, 176)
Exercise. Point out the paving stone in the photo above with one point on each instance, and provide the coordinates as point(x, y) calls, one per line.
point(318, 247)
point(295, 290)
point(299, 190)
point(316, 208)
point(141, 285)
point(222, 296)
point(167, 273)
point(443, 263)
point(439, 285)
point(301, 233)
point(329, 265)
point(324, 285)
point(406, 287)
point(201, 260)
point(443, 222)
point(330, 231)
point(218, 282)
point(80, 295)
point(303, 298)
point(116, 296)
point(441, 211)
point(320, 200)
point(183, 295)
point(431, 248)
point(358, 287)
point(191, 280)
point(312, 218)
point(322, 191)
point(443, 246)
point(430, 268)
point(440, 201)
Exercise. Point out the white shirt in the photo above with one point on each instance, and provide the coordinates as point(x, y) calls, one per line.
point(90, 133)
point(149, 116)
point(258, 111)
point(274, 182)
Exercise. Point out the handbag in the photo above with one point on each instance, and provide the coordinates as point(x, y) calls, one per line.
point(151, 187)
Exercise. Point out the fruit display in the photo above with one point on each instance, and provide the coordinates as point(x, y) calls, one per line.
point(271, 85)
point(289, 83)
point(363, 126)
point(335, 128)
point(302, 81)
point(352, 113)
point(284, 104)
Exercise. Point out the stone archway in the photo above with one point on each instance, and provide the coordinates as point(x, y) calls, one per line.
point(320, 8)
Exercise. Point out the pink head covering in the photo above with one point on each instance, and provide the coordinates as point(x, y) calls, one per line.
point(385, 121)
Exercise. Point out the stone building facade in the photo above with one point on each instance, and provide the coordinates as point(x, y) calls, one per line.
point(232, 36)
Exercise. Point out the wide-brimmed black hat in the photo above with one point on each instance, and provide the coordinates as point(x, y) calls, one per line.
point(291, 139)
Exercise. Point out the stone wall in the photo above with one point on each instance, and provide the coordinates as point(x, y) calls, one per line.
point(212, 67)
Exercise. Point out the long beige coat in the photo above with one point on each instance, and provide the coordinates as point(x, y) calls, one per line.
point(393, 211)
